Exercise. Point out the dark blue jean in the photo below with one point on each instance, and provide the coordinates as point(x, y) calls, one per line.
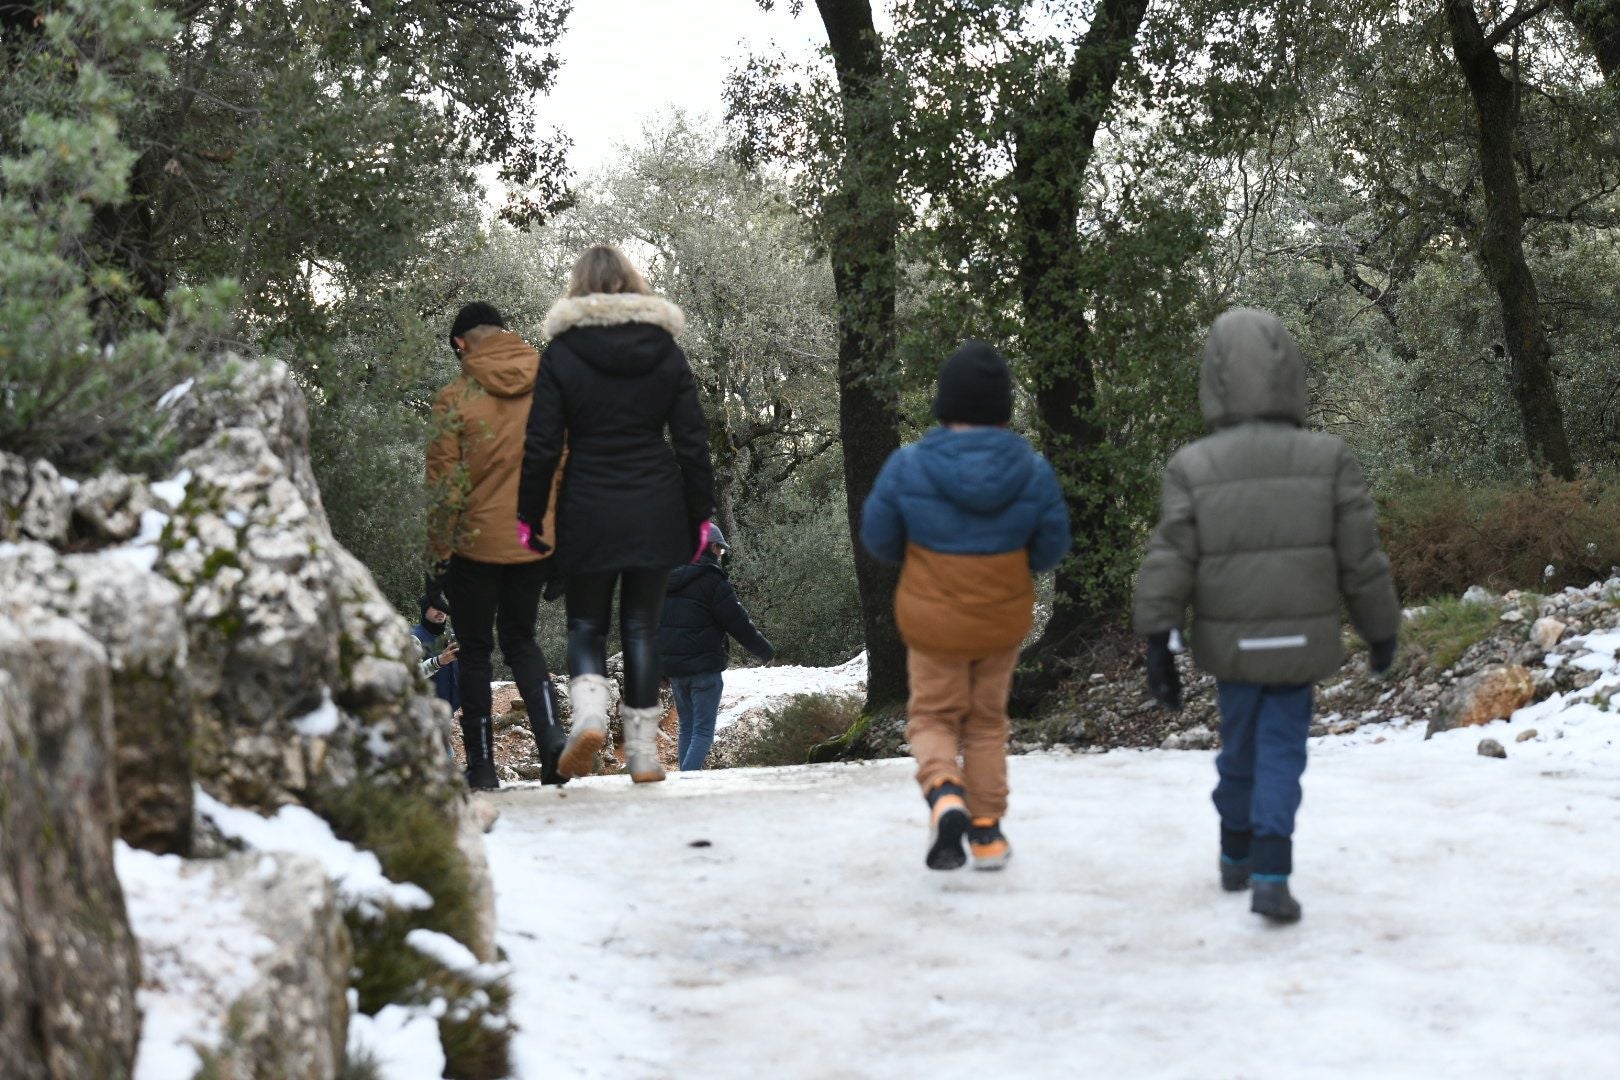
point(1263, 738)
point(697, 702)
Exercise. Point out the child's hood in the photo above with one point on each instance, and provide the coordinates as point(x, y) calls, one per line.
point(1252, 370)
point(980, 469)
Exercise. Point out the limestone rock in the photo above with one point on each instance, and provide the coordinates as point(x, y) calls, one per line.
point(35, 502)
point(1491, 748)
point(1492, 693)
point(1526, 735)
point(68, 965)
point(109, 507)
point(294, 1020)
point(135, 615)
point(1546, 632)
point(1198, 738)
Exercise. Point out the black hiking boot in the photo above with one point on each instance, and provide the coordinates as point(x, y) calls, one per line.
point(950, 823)
point(1234, 873)
point(549, 738)
point(1271, 898)
point(478, 736)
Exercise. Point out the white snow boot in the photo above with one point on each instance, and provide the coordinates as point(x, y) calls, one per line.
point(589, 697)
point(641, 744)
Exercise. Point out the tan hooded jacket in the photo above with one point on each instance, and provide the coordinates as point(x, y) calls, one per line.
point(1267, 530)
point(476, 457)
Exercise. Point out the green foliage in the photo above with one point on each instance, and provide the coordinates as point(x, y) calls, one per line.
point(785, 735)
point(416, 842)
point(85, 359)
point(1446, 628)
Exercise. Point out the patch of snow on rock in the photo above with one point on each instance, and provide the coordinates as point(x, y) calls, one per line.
point(357, 874)
point(197, 957)
point(403, 1042)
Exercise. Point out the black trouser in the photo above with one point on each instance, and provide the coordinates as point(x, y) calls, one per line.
point(499, 601)
point(590, 612)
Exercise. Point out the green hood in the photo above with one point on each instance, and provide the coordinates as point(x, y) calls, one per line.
point(1252, 370)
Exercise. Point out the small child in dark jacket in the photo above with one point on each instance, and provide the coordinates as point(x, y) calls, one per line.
point(969, 513)
point(1268, 534)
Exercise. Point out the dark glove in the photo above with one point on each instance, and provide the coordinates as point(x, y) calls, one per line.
point(1381, 654)
point(1164, 682)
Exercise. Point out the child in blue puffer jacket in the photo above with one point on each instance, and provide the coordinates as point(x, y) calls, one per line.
point(969, 513)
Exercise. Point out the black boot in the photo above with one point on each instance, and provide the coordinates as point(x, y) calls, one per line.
point(948, 818)
point(1270, 897)
point(1236, 865)
point(549, 740)
point(1234, 874)
point(478, 737)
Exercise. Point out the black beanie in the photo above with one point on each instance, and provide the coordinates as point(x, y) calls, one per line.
point(477, 313)
point(975, 387)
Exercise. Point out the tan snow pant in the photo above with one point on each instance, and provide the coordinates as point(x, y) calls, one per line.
point(960, 707)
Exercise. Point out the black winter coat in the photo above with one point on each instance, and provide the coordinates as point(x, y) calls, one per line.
point(611, 381)
point(700, 609)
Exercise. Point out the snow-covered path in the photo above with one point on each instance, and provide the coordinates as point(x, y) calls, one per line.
point(1462, 918)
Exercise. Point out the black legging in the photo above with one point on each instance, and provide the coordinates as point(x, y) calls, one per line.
point(590, 611)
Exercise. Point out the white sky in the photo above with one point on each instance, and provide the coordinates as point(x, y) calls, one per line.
point(625, 60)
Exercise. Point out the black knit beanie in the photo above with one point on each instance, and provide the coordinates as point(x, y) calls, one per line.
point(477, 313)
point(975, 387)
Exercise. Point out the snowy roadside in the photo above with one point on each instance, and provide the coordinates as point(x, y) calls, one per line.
point(1459, 918)
point(752, 690)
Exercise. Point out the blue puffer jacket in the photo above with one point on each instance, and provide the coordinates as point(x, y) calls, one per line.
point(968, 514)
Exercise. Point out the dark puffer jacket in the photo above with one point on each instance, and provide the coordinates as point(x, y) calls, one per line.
point(700, 609)
point(611, 382)
point(1265, 528)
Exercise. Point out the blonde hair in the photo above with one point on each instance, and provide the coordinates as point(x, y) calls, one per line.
point(605, 269)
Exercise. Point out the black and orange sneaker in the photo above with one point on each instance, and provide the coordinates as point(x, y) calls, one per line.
point(949, 821)
point(989, 847)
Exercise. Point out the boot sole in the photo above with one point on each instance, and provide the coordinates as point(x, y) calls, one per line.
point(1278, 916)
point(992, 862)
point(946, 851)
point(578, 755)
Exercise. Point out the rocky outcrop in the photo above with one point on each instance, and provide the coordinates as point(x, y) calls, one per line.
point(68, 965)
point(262, 936)
point(1493, 693)
point(135, 615)
point(243, 651)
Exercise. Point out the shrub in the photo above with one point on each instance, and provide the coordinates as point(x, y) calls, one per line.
point(415, 842)
point(786, 734)
point(1442, 538)
point(1447, 628)
point(87, 352)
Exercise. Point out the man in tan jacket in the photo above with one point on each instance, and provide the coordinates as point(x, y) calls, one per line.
point(492, 581)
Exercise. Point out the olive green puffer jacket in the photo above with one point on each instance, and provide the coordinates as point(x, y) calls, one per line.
point(1266, 528)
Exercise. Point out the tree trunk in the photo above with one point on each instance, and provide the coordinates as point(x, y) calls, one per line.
point(1598, 22)
point(861, 237)
point(1501, 246)
point(1054, 147)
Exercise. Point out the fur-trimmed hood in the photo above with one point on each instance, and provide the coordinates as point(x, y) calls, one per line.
point(614, 309)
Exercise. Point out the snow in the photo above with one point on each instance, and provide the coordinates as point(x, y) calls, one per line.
point(173, 490)
point(357, 874)
point(453, 956)
point(141, 553)
point(173, 395)
point(322, 720)
point(750, 689)
point(402, 1040)
point(197, 949)
point(1459, 919)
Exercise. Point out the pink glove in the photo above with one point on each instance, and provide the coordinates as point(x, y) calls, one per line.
point(526, 537)
point(703, 542)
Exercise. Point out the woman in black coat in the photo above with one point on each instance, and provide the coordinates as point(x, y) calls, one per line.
point(631, 504)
